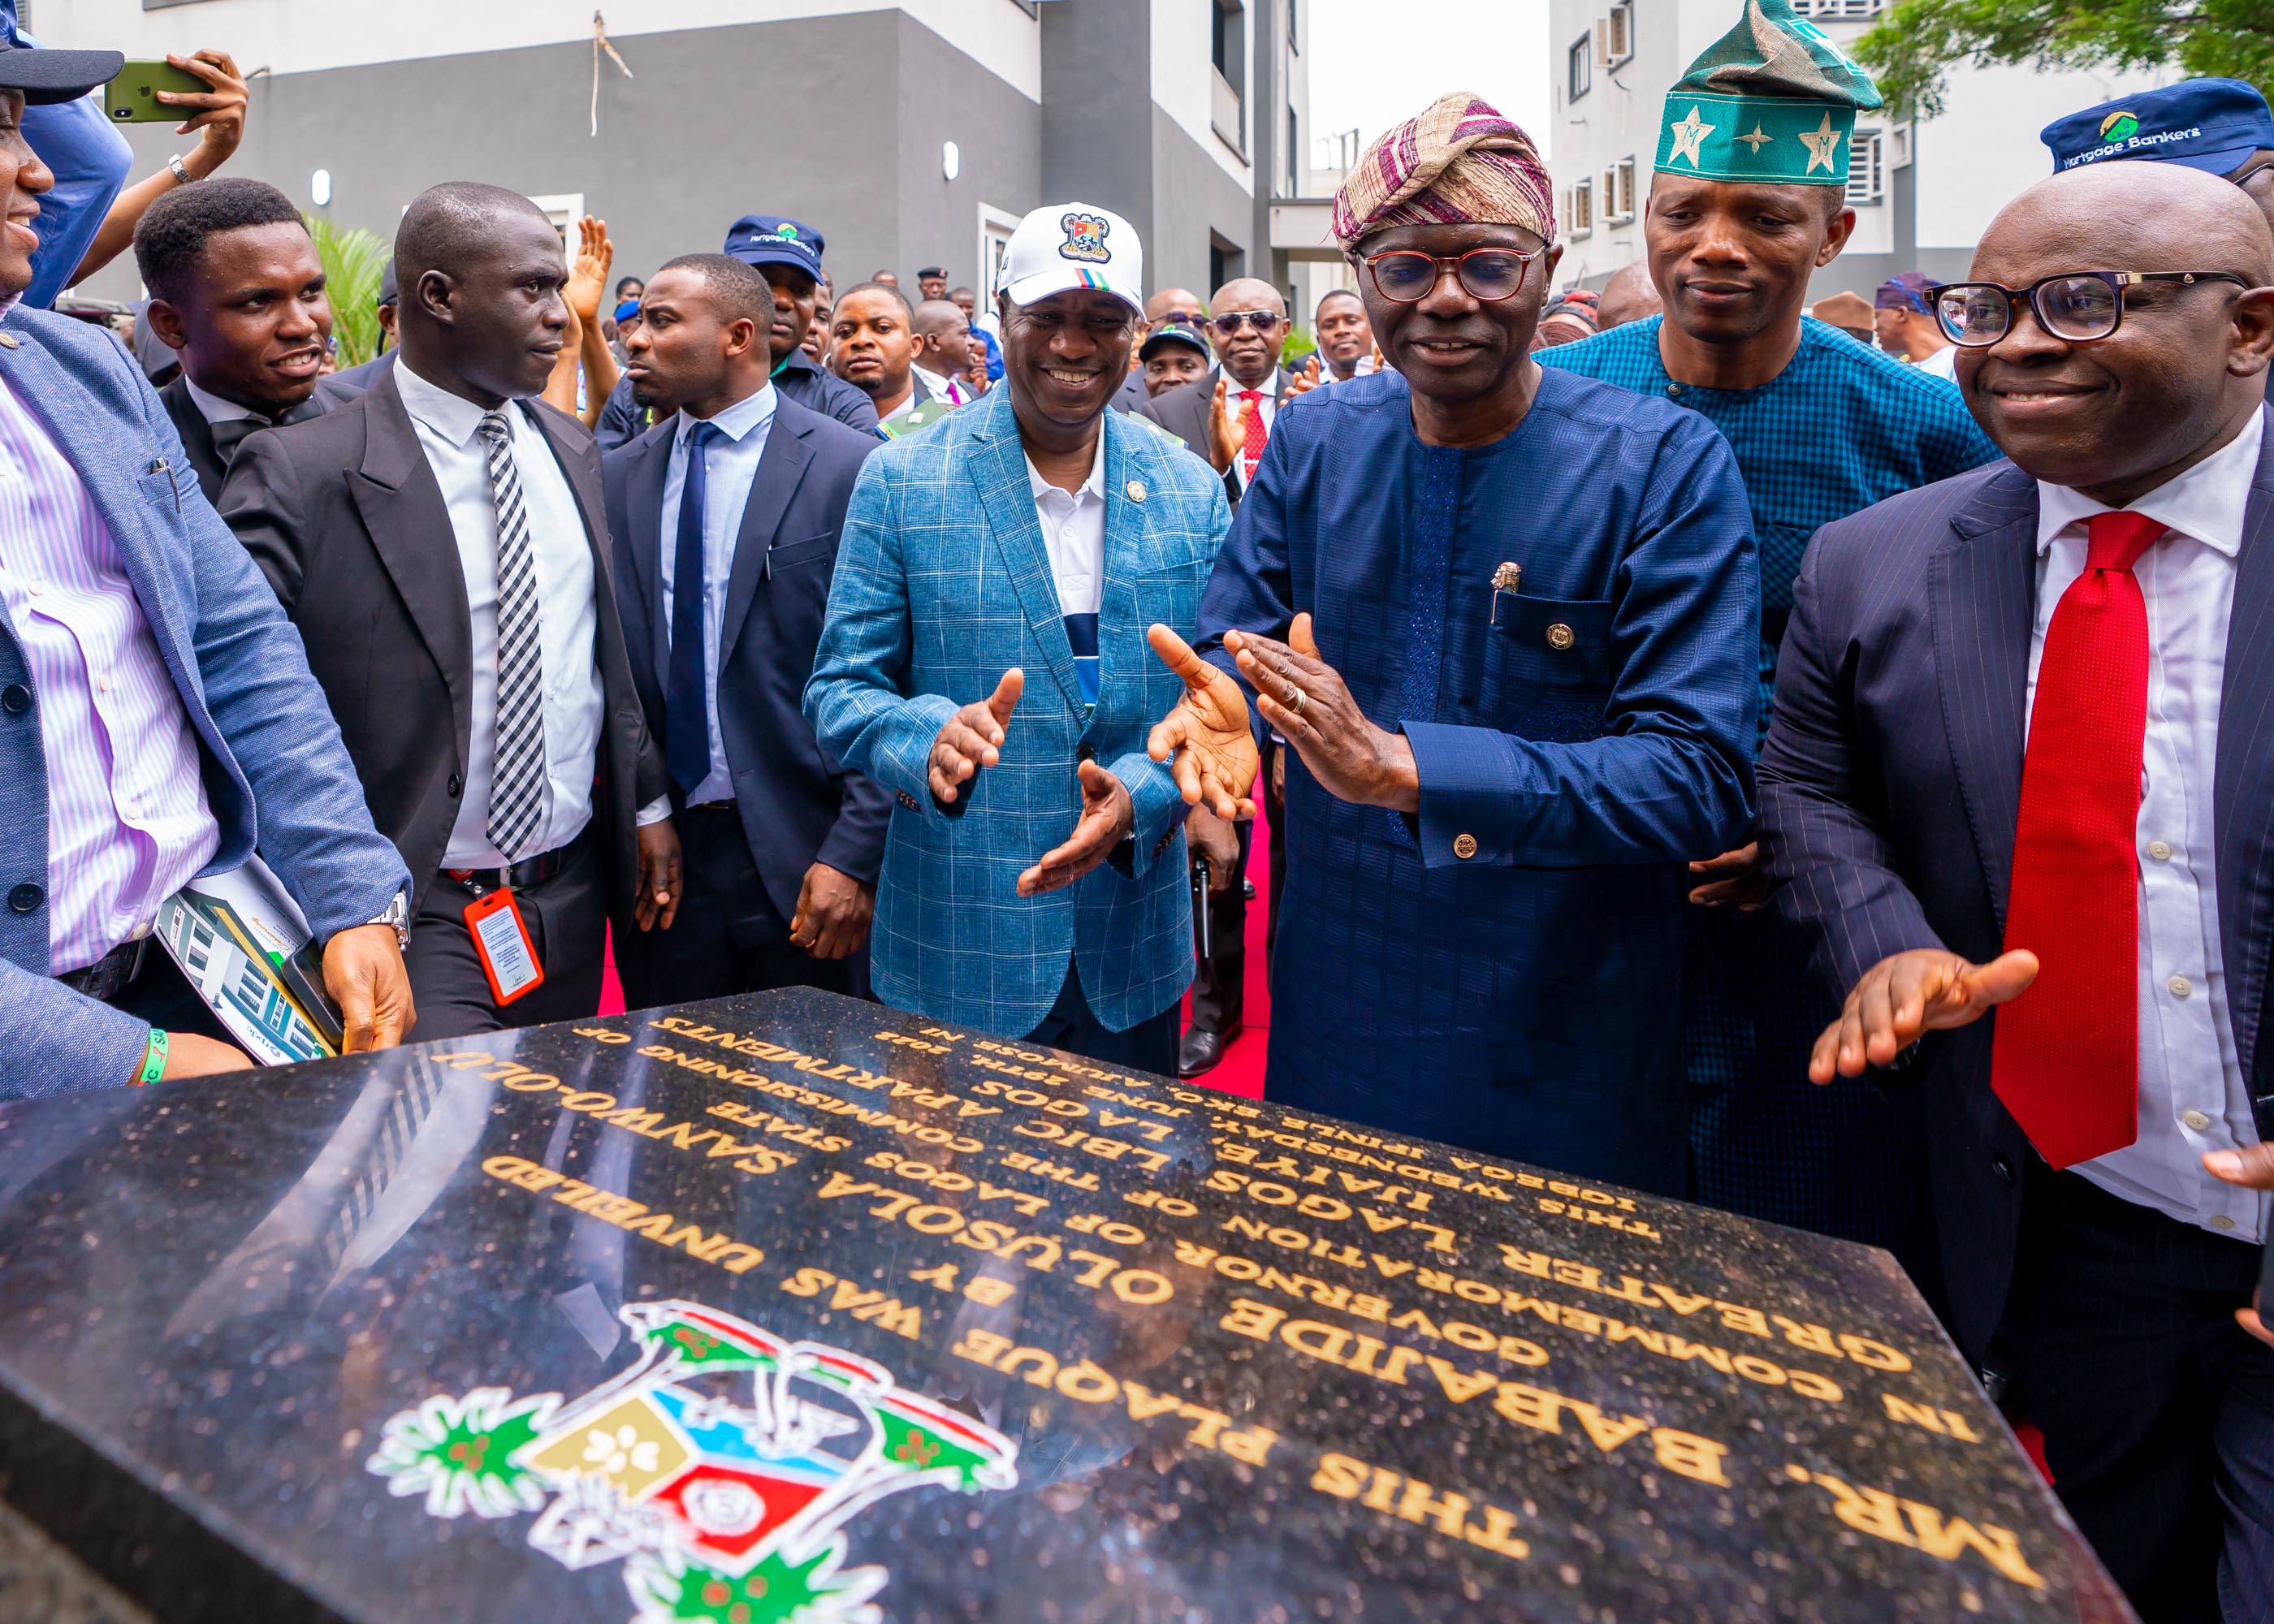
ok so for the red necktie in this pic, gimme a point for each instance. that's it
(2066, 1058)
(1252, 453)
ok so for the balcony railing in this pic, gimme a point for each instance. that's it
(1227, 113)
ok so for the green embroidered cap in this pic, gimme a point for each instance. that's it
(1773, 100)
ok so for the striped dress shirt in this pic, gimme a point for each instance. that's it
(128, 821)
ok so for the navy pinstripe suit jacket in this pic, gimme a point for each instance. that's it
(1892, 778)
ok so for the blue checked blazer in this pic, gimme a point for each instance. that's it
(943, 584)
(263, 731)
(1891, 782)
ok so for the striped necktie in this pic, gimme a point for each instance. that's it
(517, 778)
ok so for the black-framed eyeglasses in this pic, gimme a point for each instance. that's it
(1407, 276)
(1233, 321)
(2080, 306)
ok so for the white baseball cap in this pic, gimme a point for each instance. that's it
(1072, 246)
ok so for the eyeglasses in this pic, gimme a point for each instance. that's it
(2080, 306)
(1190, 318)
(1408, 276)
(1233, 321)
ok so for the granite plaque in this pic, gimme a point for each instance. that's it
(790, 1307)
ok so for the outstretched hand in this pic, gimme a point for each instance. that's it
(1903, 997)
(1206, 732)
(2252, 1168)
(973, 738)
(1227, 429)
(588, 275)
(1107, 817)
(1302, 382)
(1309, 705)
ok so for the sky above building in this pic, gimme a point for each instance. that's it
(1373, 64)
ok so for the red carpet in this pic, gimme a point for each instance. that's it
(1242, 1071)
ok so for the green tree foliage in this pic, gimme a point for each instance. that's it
(353, 262)
(1912, 45)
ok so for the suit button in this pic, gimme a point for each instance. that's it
(457, 786)
(2003, 1169)
(1465, 847)
(1085, 751)
(1559, 638)
(26, 896)
(16, 698)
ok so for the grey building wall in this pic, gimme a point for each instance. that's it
(1097, 112)
(1106, 141)
(712, 127)
(1208, 206)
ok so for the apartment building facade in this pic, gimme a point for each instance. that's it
(1923, 190)
(907, 133)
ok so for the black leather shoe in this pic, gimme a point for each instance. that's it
(1200, 1049)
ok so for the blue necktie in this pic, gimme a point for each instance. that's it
(687, 699)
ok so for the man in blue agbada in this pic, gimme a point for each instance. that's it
(1748, 199)
(1506, 621)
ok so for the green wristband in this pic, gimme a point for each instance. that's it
(154, 1059)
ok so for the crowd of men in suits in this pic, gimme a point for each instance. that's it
(1710, 755)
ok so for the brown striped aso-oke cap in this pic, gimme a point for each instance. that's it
(1458, 163)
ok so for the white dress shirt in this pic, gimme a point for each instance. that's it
(216, 410)
(943, 388)
(1074, 534)
(2192, 1094)
(1235, 399)
(448, 429)
(729, 467)
(1942, 364)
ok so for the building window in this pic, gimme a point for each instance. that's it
(1619, 192)
(1228, 92)
(1579, 210)
(1228, 41)
(1579, 72)
(1294, 7)
(1615, 37)
(1839, 11)
(1294, 176)
(1867, 171)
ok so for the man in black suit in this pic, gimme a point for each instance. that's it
(788, 253)
(1227, 415)
(2022, 756)
(237, 292)
(726, 517)
(340, 388)
(441, 544)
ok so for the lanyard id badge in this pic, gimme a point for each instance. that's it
(502, 944)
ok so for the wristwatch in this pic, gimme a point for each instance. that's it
(182, 175)
(396, 914)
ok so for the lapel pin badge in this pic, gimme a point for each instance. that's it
(7, 341)
(1135, 488)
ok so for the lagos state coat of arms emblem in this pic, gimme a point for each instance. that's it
(721, 1469)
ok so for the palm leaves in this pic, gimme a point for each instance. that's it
(353, 263)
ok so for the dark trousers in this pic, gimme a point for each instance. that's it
(567, 916)
(2157, 1410)
(728, 936)
(1148, 1046)
(162, 995)
(1219, 983)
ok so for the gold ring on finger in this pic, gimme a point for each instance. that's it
(1297, 705)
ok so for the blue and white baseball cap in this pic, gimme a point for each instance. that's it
(2206, 124)
(776, 239)
(1070, 245)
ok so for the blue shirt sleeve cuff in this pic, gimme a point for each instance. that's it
(1468, 798)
